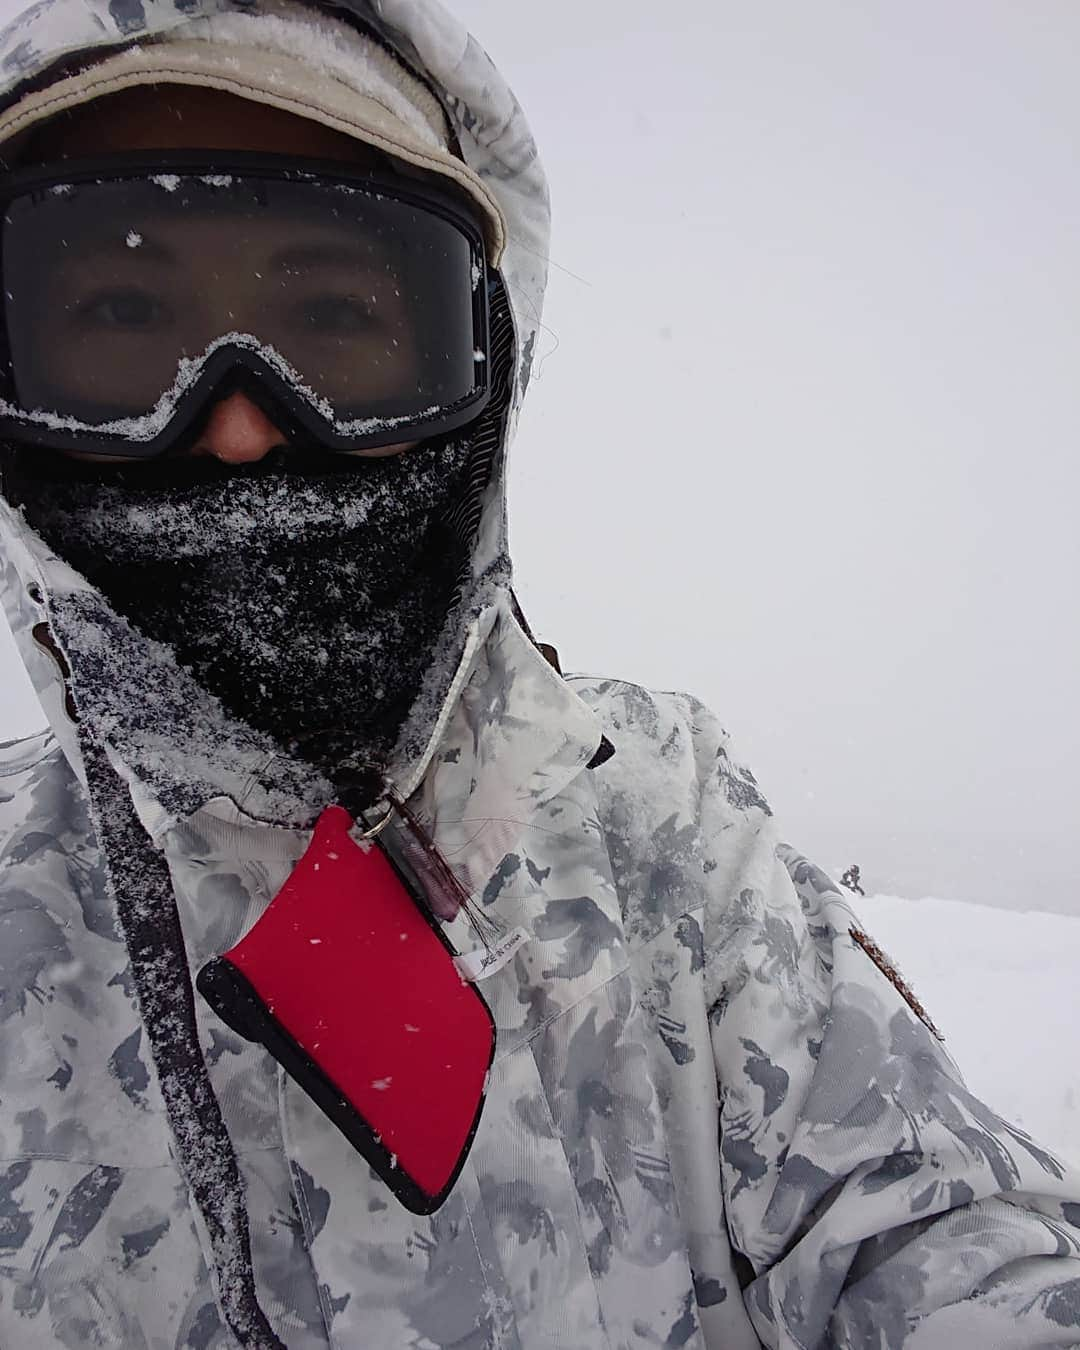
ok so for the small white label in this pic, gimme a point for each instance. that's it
(484, 961)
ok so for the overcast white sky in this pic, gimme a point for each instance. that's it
(805, 440)
(804, 437)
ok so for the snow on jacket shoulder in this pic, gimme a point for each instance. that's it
(848, 1192)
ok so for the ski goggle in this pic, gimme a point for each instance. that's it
(351, 306)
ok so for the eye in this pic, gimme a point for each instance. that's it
(339, 315)
(128, 308)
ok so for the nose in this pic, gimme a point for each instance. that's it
(237, 432)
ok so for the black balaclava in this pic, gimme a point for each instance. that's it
(307, 592)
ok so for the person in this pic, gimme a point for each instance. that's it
(273, 273)
(852, 879)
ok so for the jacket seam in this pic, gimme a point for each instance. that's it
(323, 1293)
(296, 1190)
(558, 1134)
(543, 1026)
(86, 1162)
(120, 1167)
(627, 969)
(684, 914)
(8, 770)
(479, 1255)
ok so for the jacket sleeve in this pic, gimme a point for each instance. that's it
(875, 1200)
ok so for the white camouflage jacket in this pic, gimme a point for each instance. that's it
(713, 1120)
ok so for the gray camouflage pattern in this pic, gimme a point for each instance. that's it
(848, 1181)
(712, 1121)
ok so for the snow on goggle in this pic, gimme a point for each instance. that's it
(352, 306)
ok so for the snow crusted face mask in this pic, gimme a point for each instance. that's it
(307, 592)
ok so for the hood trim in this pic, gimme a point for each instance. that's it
(265, 75)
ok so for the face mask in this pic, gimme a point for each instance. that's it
(306, 592)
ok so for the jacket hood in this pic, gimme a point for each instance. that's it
(51, 40)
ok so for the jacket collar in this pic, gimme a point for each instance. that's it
(511, 733)
(515, 735)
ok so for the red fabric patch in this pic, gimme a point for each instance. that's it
(348, 963)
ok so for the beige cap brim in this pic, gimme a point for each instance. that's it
(272, 78)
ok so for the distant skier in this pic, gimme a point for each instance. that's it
(851, 878)
(571, 1050)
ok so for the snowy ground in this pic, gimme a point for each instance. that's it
(1002, 988)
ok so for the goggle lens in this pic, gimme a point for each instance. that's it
(120, 291)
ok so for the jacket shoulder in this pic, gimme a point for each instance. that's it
(675, 808)
(670, 742)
